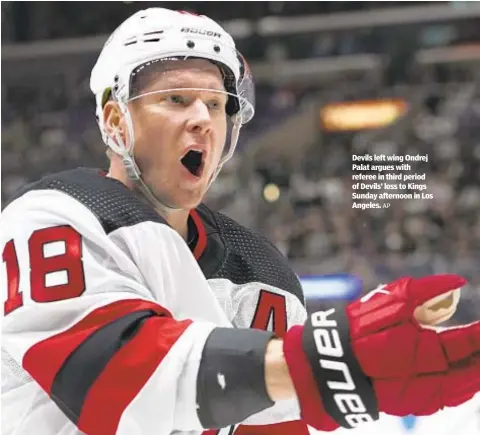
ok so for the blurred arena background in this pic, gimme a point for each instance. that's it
(415, 63)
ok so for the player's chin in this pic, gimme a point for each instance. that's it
(190, 189)
(188, 197)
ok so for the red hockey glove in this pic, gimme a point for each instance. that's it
(347, 365)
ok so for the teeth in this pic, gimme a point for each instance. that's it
(195, 150)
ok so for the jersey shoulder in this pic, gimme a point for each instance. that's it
(242, 256)
(112, 203)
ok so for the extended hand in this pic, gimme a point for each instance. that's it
(347, 365)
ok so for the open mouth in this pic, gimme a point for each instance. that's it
(193, 161)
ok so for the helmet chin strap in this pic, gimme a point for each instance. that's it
(131, 167)
(133, 173)
(233, 144)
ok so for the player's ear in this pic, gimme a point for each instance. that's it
(114, 120)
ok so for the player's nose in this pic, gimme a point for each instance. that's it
(199, 121)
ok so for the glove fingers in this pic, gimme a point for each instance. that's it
(428, 393)
(460, 342)
(416, 396)
(401, 352)
(420, 290)
(462, 381)
(408, 349)
(435, 352)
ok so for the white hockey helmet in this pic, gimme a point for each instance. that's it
(157, 34)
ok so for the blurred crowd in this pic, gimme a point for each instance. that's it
(248, 21)
(27, 21)
(48, 125)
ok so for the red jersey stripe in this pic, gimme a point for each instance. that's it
(202, 235)
(45, 358)
(127, 373)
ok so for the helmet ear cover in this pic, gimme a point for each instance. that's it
(233, 105)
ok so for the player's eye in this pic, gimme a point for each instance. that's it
(177, 99)
(216, 104)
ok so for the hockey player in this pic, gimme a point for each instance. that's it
(132, 309)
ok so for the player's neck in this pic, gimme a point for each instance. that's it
(178, 220)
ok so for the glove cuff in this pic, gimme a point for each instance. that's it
(311, 405)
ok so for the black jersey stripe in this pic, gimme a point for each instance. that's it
(81, 369)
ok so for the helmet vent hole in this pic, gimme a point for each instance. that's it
(131, 41)
(155, 32)
(190, 44)
(216, 48)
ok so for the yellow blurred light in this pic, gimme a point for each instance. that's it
(271, 192)
(362, 115)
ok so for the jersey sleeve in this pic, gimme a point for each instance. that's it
(261, 306)
(114, 354)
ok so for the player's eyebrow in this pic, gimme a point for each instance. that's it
(176, 82)
(174, 78)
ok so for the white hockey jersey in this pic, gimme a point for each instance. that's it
(106, 310)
